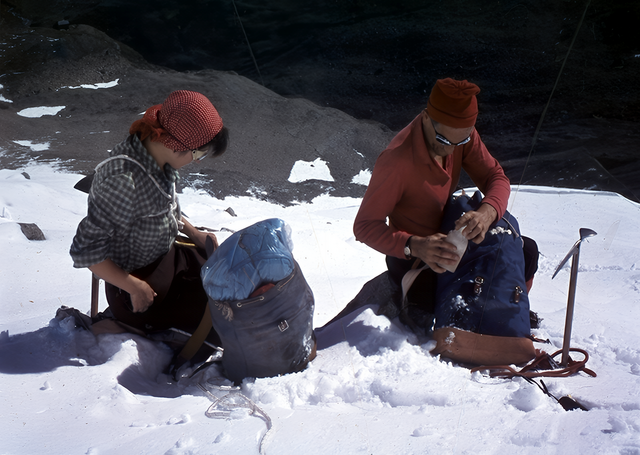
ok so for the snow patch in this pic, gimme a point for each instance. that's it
(94, 86)
(40, 111)
(499, 230)
(310, 170)
(450, 338)
(2, 98)
(34, 146)
(363, 178)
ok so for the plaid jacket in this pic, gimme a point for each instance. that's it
(133, 211)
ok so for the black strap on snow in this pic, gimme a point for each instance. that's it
(567, 402)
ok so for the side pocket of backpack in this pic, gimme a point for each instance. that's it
(474, 348)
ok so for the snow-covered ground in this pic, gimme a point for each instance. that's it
(377, 390)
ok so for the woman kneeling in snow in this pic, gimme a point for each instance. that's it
(129, 236)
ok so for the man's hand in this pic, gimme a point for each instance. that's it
(477, 222)
(434, 250)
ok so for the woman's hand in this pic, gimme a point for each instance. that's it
(199, 238)
(141, 293)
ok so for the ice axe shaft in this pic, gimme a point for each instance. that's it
(574, 253)
(95, 294)
(568, 323)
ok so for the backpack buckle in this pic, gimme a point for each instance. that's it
(284, 325)
(516, 297)
(477, 285)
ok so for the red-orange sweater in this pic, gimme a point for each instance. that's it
(411, 189)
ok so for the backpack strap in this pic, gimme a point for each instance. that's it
(193, 343)
(515, 232)
(198, 337)
(409, 278)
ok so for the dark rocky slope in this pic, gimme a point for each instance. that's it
(372, 60)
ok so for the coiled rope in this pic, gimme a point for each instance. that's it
(222, 407)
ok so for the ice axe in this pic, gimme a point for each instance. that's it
(575, 254)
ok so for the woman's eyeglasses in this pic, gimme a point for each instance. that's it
(198, 155)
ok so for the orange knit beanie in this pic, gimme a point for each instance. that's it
(453, 103)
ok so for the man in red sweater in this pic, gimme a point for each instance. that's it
(416, 174)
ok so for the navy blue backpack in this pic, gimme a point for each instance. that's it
(486, 294)
(261, 305)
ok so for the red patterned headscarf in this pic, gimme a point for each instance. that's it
(453, 103)
(185, 121)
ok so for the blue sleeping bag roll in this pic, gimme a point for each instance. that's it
(255, 256)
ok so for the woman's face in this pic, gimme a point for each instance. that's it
(164, 155)
(179, 159)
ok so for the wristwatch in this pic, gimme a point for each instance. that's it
(407, 248)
